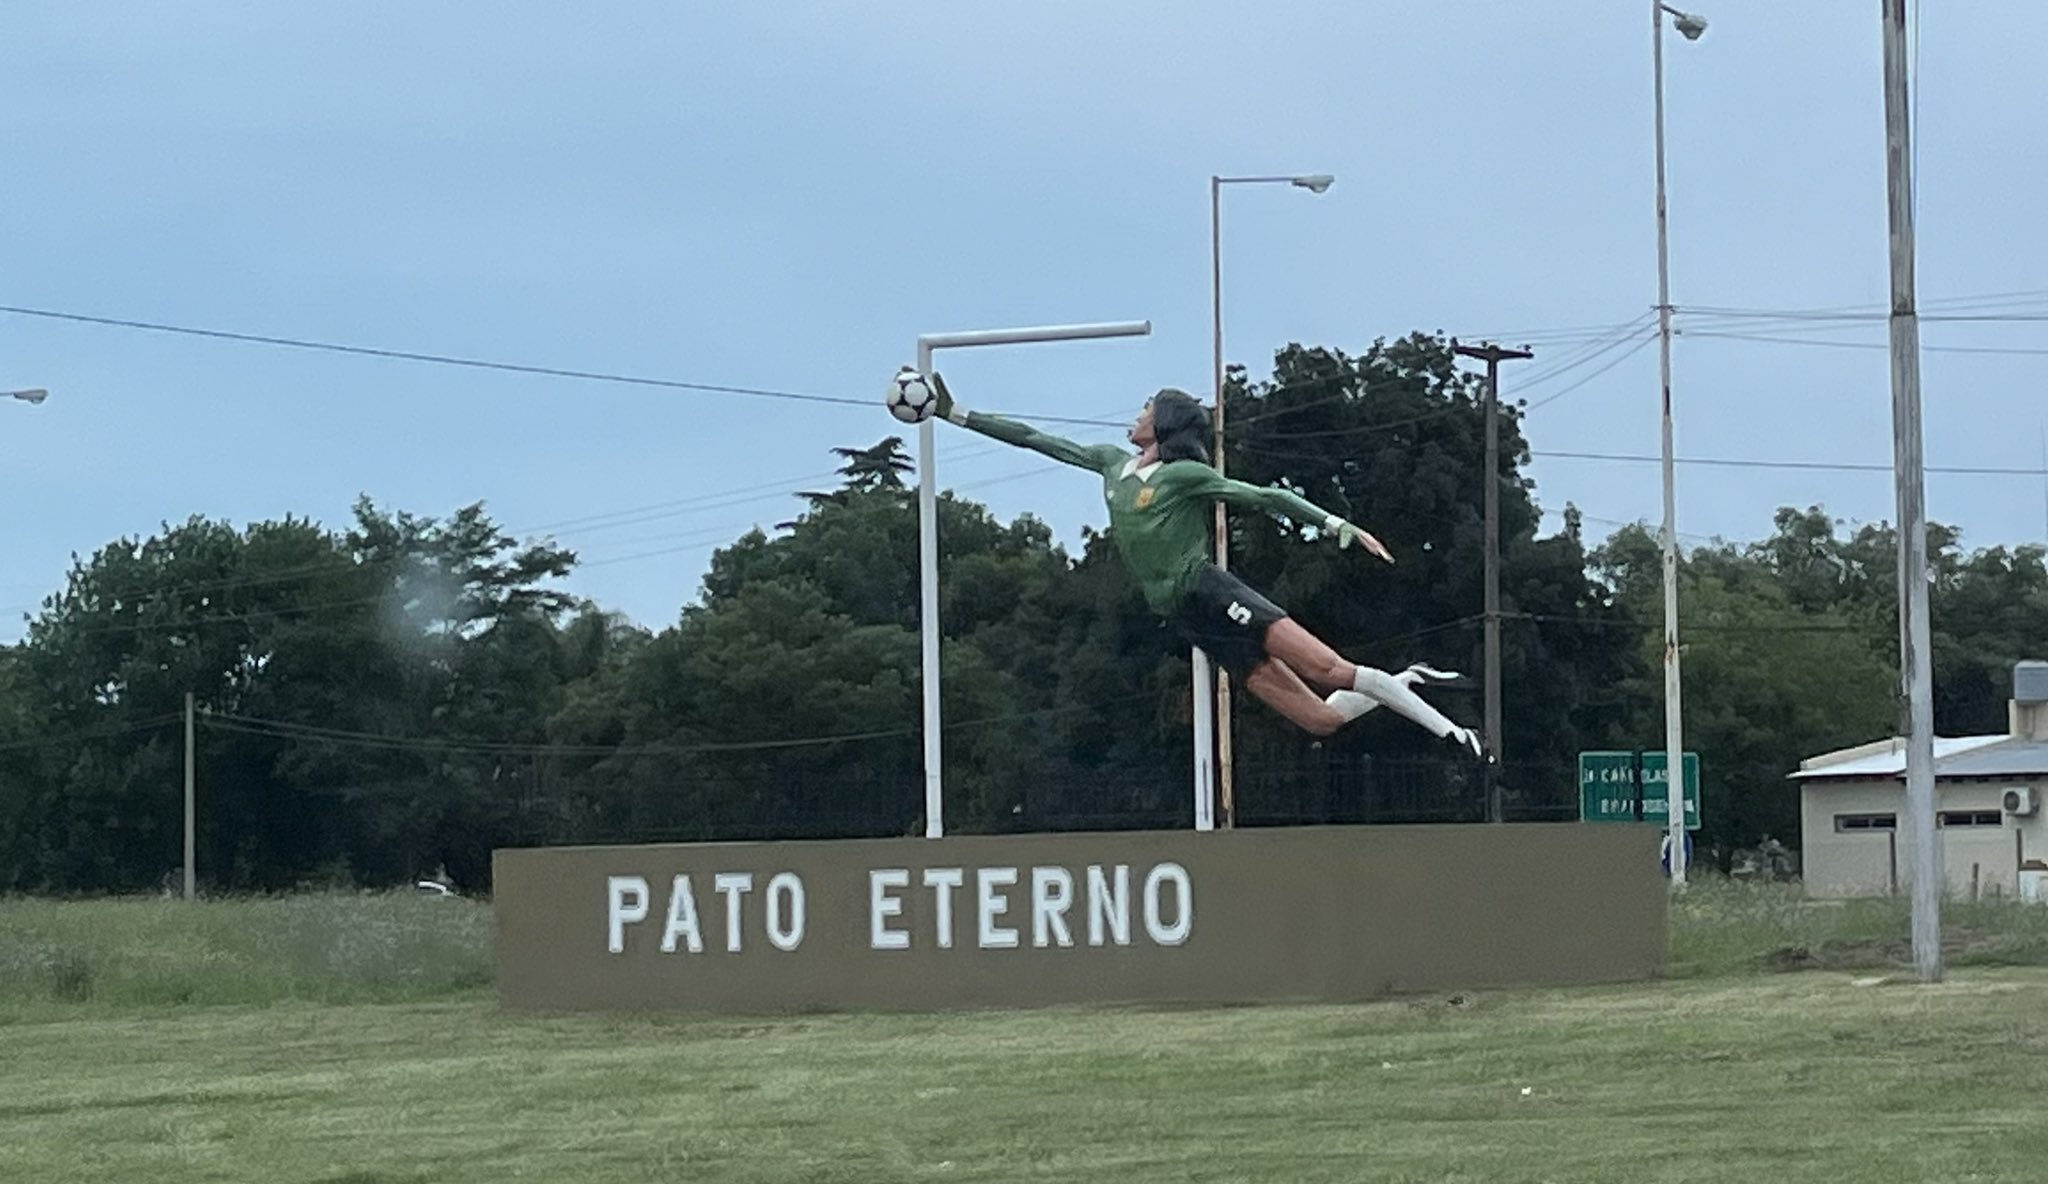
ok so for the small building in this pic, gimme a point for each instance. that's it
(1988, 796)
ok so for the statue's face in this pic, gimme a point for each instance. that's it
(1141, 431)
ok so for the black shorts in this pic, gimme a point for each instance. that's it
(1227, 620)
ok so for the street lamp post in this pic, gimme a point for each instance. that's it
(1205, 674)
(928, 530)
(1690, 27)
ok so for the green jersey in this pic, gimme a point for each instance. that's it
(1159, 512)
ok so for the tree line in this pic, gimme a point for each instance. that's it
(402, 695)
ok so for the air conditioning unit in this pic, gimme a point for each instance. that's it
(2022, 801)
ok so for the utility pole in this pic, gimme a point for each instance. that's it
(1916, 677)
(1492, 355)
(191, 815)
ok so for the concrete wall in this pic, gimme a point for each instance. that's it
(1842, 863)
(1325, 914)
(1859, 863)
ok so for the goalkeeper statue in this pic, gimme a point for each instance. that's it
(1159, 515)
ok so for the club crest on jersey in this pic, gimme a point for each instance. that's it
(1145, 497)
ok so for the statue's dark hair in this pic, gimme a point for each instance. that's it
(1181, 425)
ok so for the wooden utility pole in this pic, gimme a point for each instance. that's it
(191, 815)
(1492, 355)
(1916, 676)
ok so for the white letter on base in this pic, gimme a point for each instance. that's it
(993, 903)
(628, 906)
(682, 919)
(1184, 894)
(780, 885)
(882, 906)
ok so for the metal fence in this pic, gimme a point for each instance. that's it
(1334, 790)
(1325, 790)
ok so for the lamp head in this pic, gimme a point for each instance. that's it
(1314, 183)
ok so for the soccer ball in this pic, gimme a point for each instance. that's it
(911, 398)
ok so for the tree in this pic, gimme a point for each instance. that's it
(1989, 607)
(469, 637)
(1773, 673)
(878, 466)
(816, 633)
(1993, 612)
(298, 644)
(199, 608)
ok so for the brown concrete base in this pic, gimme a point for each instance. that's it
(1310, 914)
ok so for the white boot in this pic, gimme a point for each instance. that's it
(1397, 692)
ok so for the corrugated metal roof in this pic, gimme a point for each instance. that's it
(2013, 758)
(1954, 756)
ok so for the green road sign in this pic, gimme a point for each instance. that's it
(1607, 788)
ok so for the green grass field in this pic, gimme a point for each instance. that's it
(351, 1039)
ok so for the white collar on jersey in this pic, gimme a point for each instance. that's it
(1144, 474)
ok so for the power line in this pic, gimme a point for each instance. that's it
(454, 360)
(1554, 396)
(434, 359)
(1564, 335)
(713, 534)
(1413, 634)
(1794, 316)
(155, 721)
(1555, 368)
(1598, 334)
(699, 539)
(1822, 466)
(1699, 626)
(1944, 349)
(281, 729)
(630, 516)
(336, 564)
(717, 501)
(694, 541)
(1622, 336)
(1698, 538)
(1610, 337)
(1953, 304)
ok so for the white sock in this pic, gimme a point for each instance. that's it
(1396, 694)
(1350, 704)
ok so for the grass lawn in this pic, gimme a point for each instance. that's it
(116, 1066)
(1791, 1078)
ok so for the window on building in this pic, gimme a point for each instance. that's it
(1971, 818)
(1845, 823)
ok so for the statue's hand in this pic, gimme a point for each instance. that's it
(945, 408)
(1349, 535)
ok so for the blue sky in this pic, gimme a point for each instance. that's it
(786, 195)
